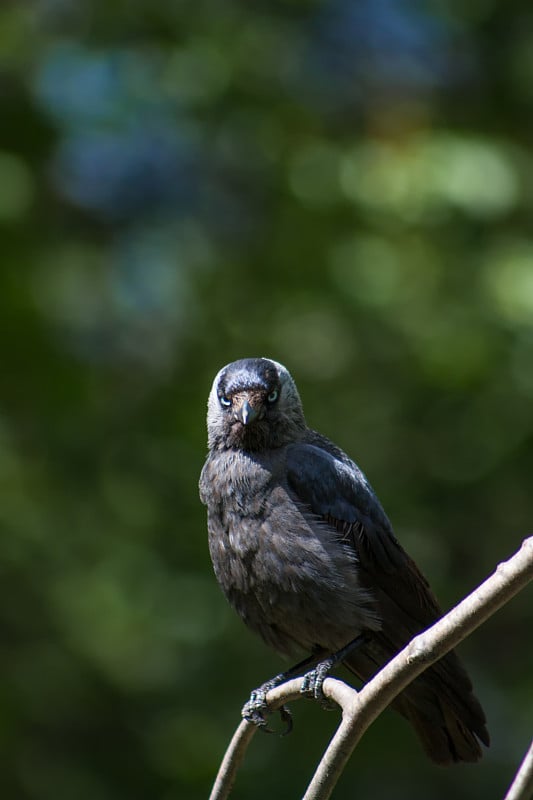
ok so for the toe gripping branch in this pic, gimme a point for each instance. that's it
(256, 711)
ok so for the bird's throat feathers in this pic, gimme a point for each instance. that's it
(257, 437)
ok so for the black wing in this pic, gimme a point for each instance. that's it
(339, 492)
(440, 703)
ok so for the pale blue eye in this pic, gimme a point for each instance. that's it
(273, 396)
(224, 401)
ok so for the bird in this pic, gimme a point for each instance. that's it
(307, 557)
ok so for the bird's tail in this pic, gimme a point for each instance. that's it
(439, 704)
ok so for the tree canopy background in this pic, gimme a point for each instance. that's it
(344, 186)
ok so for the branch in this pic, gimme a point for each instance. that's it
(360, 709)
(522, 785)
(426, 648)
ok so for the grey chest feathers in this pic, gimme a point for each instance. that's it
(279, 565)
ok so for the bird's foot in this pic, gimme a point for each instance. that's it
(256, 710)
(313, 682)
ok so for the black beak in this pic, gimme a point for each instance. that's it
(247, 413)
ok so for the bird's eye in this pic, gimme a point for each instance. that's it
(224, 401)
(273, 396)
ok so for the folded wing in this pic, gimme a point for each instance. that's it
(440, 703)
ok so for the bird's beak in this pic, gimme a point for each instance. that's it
(246, 413)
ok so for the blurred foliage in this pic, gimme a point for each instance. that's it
(346, 187)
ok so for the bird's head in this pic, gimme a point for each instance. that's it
(253, 405)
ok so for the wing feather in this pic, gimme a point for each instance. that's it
(440, 703)
(339, 492)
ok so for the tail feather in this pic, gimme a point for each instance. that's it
(439, 704)
(445, 743)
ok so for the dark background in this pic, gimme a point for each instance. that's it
(343, 186)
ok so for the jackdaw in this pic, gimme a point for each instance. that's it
(307, 557)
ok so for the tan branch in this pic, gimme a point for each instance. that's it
(522, 785)
(360, 709)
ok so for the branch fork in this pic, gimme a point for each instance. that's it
(360, 709)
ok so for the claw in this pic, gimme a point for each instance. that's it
(286, 717)
(313, 682)
(256, 711)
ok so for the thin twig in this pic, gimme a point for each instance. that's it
(522, 785)
(242, 737)
(336, 690)
(361, 709)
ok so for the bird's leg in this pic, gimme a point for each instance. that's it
(314, 679)
(256, 709)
